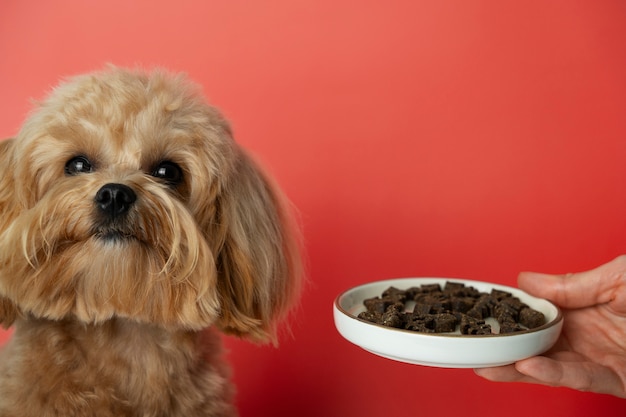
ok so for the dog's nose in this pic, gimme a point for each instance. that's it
(115, 199)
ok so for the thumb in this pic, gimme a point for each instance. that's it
(604, 284)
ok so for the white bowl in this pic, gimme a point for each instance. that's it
(447, 350)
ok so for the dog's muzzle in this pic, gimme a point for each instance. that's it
(113, 203)
(115, 200)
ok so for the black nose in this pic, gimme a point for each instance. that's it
(115, 199)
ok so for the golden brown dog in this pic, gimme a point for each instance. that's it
(132, 228)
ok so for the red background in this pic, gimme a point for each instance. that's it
(469, 139)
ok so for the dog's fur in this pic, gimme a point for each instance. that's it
(117, 314)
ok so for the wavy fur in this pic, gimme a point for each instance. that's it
(216, 250)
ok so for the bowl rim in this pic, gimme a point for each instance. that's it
(557, 319)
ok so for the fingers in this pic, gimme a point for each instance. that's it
(506, 373)
(582, 376)
(597, 286)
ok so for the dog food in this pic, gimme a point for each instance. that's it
(432, 309)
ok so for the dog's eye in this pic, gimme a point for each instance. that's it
(169, 172)
(78, 165)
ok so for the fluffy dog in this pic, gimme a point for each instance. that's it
(132, 229)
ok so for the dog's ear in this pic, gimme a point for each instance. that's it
(8, 311)
(258, 260)
(6, 181)
(7, 186)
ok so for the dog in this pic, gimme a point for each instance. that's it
(134, 231)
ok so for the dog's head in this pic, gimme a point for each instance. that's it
(125, 195)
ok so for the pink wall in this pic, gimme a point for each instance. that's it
(417, 138)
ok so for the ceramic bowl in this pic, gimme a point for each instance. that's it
(448, 350)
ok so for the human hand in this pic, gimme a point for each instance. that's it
(590, 354)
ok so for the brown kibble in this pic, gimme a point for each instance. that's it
(440, 310)
(531, 318)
